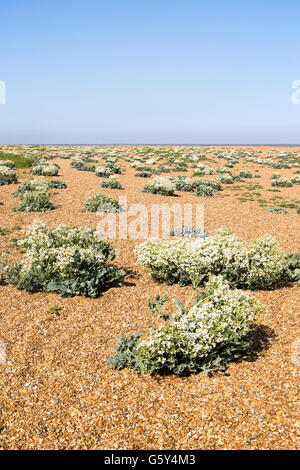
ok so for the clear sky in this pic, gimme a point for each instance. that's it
(149, 71)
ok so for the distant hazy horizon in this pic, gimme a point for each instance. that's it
(150, 72)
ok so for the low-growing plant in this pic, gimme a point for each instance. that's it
(246, 174)
(188, 232)
(281, 182)
(111, 183)
(36, 184)
(102, 203)
(278, 210)
(204, 336)
(45, 168)
(57, 184)
(182, 183)
(68, 260)
(293, 273)
(103, 171)
(35, 201)
(257, 264)
(160, 185)
(7, 175)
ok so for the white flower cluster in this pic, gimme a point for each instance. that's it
(7, 175)
(103, 171)
(256, 264)
(70, 260)
(222, 317)
(160, 185)
(45, 168)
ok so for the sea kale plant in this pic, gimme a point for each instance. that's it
(68, 260)
(215, 329)
(102, 203)
(160, 185)
(255, 264)
(45, 168)
(111, 183)
(293, 273)
(7, 175)
(35, 201)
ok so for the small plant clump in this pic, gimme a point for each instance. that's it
(257, 264)
(35, 201)
(246, 174)
(293, 267)
(45, 168)
(111, 183)
(7, 175)
(188, 232)
(278, 210)
(281, 182)
(160, 185)
(57, 184)
(98, 201)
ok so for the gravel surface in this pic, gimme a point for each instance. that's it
(57, 391)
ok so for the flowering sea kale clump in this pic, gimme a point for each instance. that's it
(45, 168)
(257, 264)
(160, 185)
(69, 260)
(101, 203)
(278, 181)
(8, 163)
(215, 329)
(7, 175)
(202, 169)
(36, 184)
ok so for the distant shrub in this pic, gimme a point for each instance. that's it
(57, 184)
(257, 264)
(225, 178)
(160, 185)
(278, 210)
(45, 168)
(203, 169)
(206, 335)
(68, 260)
(101, 202)
(9, 163)
(103, 171)
(111, 183)
(81, 164)
(296, 179)
(188, 232)
(293, 273)
(35, 184)
(35, 201)
(246, 174)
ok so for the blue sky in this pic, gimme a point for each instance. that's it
(168, 71)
